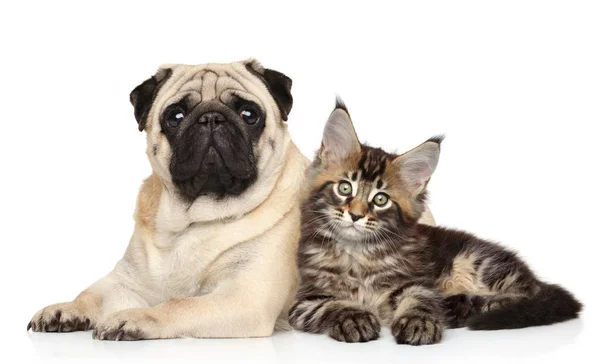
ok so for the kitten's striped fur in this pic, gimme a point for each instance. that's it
(363, 266)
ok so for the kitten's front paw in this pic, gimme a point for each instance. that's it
(60, 317)
(127, 325)
(417, 330)
(355, 326)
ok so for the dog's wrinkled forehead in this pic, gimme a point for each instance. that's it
(210, 82)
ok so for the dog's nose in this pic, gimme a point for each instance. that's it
(355, 217)
(211, 117)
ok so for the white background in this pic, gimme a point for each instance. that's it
(515, 86)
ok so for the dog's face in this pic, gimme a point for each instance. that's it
(214, 130)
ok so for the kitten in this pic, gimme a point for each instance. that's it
(365, 261)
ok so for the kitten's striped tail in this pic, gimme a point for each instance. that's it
(552, 304)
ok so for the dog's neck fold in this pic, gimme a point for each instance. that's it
(262, 206)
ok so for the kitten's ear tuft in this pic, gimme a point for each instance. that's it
(417, 165)
(437, 139)
(339, 136)
(339, 104)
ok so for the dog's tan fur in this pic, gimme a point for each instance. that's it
(212, 268)
(148, 202)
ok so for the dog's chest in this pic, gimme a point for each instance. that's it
(184, 262)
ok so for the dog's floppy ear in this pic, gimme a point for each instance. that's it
(143, 96)
(278, 84)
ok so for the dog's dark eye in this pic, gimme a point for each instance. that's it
(175, 117)
(250, 115)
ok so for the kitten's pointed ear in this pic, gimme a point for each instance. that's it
(339, 136)
(416, 166)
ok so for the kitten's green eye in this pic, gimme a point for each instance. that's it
(345, 188)
(380, 199)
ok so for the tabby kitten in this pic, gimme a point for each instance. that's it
(365, 261)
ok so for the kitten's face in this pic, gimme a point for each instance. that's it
(361, 198)
(364, 195)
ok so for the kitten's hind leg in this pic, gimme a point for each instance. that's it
(549, 305)
(460, 307)
(512, 295)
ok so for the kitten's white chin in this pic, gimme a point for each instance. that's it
(350, 232)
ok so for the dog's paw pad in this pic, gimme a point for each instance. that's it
(61, 317)
(118, 334)
(127, 325)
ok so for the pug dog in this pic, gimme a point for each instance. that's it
(216, 224)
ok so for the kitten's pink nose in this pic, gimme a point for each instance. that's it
(355, 217)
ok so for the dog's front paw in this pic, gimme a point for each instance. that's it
(131, 324)
(355, 326)
(417, 330)
(60, 317)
